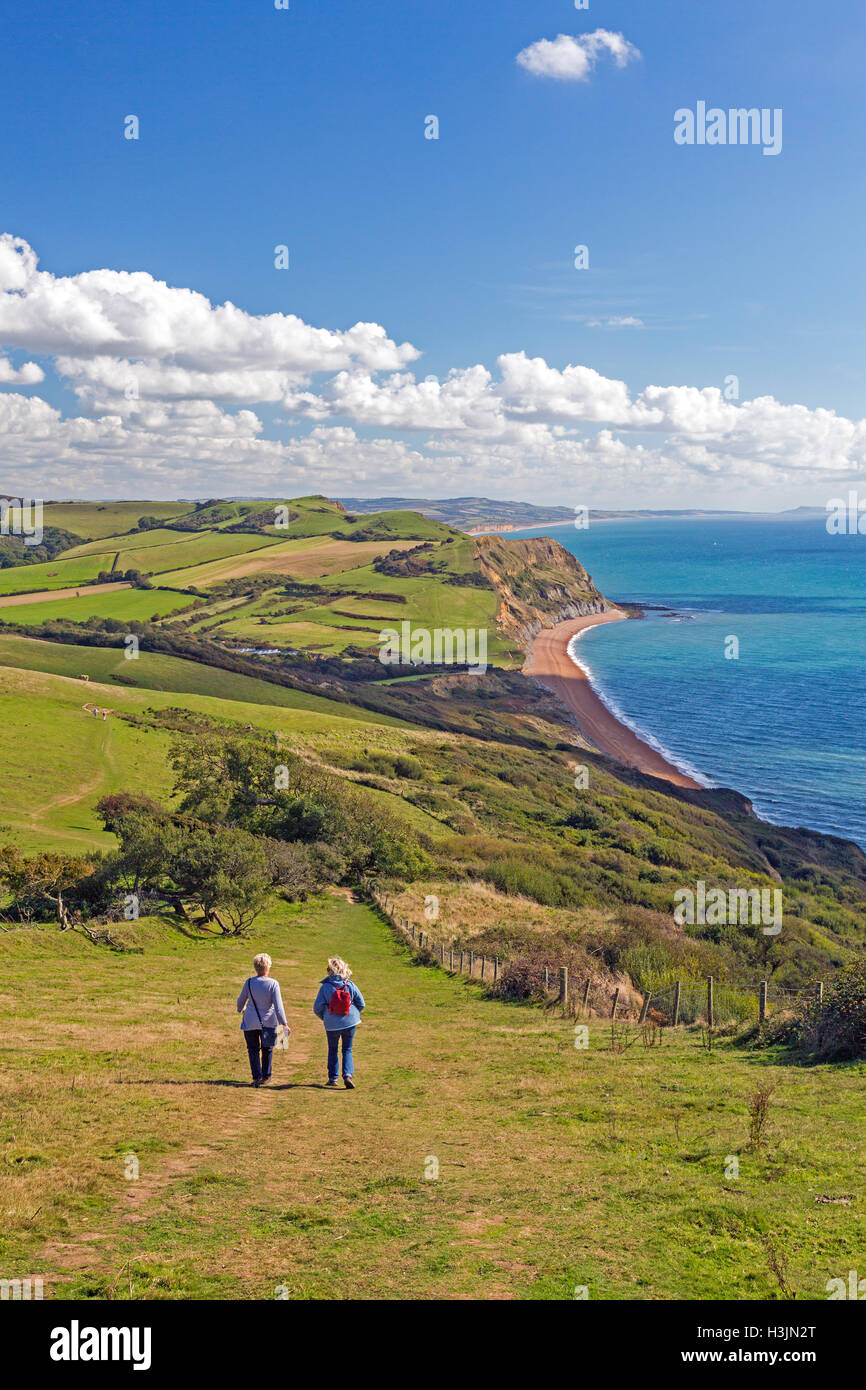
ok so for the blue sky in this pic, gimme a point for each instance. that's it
(306, 128)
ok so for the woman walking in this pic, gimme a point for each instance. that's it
(261, 1004)
(339, 1004)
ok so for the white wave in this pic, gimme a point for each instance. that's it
(673, 758)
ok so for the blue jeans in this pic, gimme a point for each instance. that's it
(261, 1069)
(347, 1034)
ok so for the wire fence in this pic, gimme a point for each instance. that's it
(708, 1002)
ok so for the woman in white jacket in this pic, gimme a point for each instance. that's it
(261, 1004)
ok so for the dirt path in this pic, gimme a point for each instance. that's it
(553, 668)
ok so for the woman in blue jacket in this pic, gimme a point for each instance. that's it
(339, 1004)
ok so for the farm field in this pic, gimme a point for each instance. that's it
(558, 1168)
(154, 551)
(304, 558)
(62, 573)
(123, 603)
(95, 520)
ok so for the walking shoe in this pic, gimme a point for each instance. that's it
(332, 1083)
(348, 1083)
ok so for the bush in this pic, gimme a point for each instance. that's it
(834, 1030)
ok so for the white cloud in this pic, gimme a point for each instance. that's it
(166, 384)
(102, 321)
(572, 58)
(617, 321)
(28, 374)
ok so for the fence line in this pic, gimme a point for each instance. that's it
(707, 1001)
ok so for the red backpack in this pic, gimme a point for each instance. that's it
(340, 1001)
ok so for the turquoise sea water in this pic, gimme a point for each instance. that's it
(785, 723)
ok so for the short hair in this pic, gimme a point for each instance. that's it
(337, 966)
(262, 963)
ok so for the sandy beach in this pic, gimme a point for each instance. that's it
(551, 665)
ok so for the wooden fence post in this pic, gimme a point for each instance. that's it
(413, 931)
(546, 980)
(586, 990)
(461, 962)
(451, 957)
(495, 969)
(709, 1001)
(762, 1002)
(676, 1017)
(563, 984)
(471, 963)
(483, 963)
(819, 992)
(615, 1002)
(644, 1008)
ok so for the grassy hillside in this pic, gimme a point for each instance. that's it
(558, 1168)
(95, 520)
(63, 573)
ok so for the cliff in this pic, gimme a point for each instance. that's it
(539, 584)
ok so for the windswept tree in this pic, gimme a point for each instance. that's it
(41, 883)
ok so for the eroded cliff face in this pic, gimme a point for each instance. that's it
(539, 584)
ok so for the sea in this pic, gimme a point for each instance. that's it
(750, 671)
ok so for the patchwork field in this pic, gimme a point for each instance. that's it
(180, 550)
(305, 559)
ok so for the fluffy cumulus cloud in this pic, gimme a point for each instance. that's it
(169, 387)
(573, 58)
(28, 374)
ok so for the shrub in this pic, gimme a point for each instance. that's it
(834, 1030)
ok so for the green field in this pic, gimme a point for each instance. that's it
(94, 520)
(558, 1168)
(55, 574)
(122, 604)
(67, 759)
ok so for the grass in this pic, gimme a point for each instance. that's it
(155, 671)
(54, 574)
(154, 552)
(557, 1167)
(123, 604)
(95, 520)
(62, 759)
(304, 559)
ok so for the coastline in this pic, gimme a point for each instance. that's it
(551, 665)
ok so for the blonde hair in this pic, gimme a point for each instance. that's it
(262, 963)
(336, 966)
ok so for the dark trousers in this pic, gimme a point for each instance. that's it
(347, 1034)
(260, 1066)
